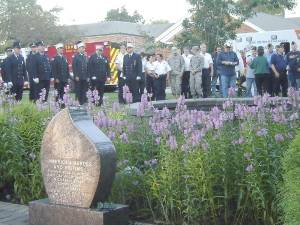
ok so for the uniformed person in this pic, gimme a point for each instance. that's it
(185, 85)
(121, 77)
(44, 71)
(60, 71)
(79, 66)
(132, 70)
(177, 64)
(99, 71)
(32, 70)
(4, 75)
(16, 72)
(196, 66)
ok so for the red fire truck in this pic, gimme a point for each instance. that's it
(111, 52)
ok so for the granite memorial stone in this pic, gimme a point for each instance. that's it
(78, 166)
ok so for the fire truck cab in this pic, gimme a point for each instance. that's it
(90, 48)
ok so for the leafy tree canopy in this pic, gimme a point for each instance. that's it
(122, 14)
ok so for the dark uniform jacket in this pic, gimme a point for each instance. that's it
(44, 68)
(132, 66)
(79, 66)
(98, 66)
(32, 66)
(4, 70)
(16, 70)
(60, 68)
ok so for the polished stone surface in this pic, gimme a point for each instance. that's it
(78, 160)
(204, 104)
(43, 213)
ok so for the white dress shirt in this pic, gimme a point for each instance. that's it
(119, 59)
(162, 68)
(207, 60)
(187, 61)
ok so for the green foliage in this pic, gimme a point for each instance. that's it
(26, 21)
(291, 187)
(234, 177)
(216, 21)
(121, 14)
(21, 134)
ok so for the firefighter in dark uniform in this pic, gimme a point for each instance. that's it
(7, 83)
(44, 70)
(79, 67)
(32, 70)
(60, 71)
(99, 71)
(132, 70)
(16, 72)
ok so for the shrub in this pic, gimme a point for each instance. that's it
(22, 129)
(195, 167)
(291, 186)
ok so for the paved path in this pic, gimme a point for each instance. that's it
(11, 214)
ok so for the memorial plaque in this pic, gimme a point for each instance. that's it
(78, 160)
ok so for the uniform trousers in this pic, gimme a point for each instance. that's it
(60, 88)
(121, 83)
(196, 84)
(185, 85)
(206, 83)
(43, 84)
(175, 82)
(33, 91)
(150, 86)
(133, 86)
(17, 90)
(99, 86)
(160, 84)
(142, 84)
(81, 88)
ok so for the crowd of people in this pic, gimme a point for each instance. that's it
(194, 74)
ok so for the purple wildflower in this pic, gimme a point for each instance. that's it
(112, 135)
(124, 137)
(250, 168)
(157, 141)
(172, 142)
(262, 132)
(248, 155)
(279, 138)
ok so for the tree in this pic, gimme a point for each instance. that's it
(26, 21)
(216, 21)
(121, 14)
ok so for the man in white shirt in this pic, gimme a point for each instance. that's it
(207, 71)
(162, 70)
(121, 78)
(185, 85)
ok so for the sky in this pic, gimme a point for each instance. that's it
(91, 11)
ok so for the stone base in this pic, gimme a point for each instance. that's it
(41, 212)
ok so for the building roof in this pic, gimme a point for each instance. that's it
(269, 22)
(120, 27)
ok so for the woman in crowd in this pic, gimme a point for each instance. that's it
(250, 77)
(260, 66)
(150, 74)
(162, 70)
